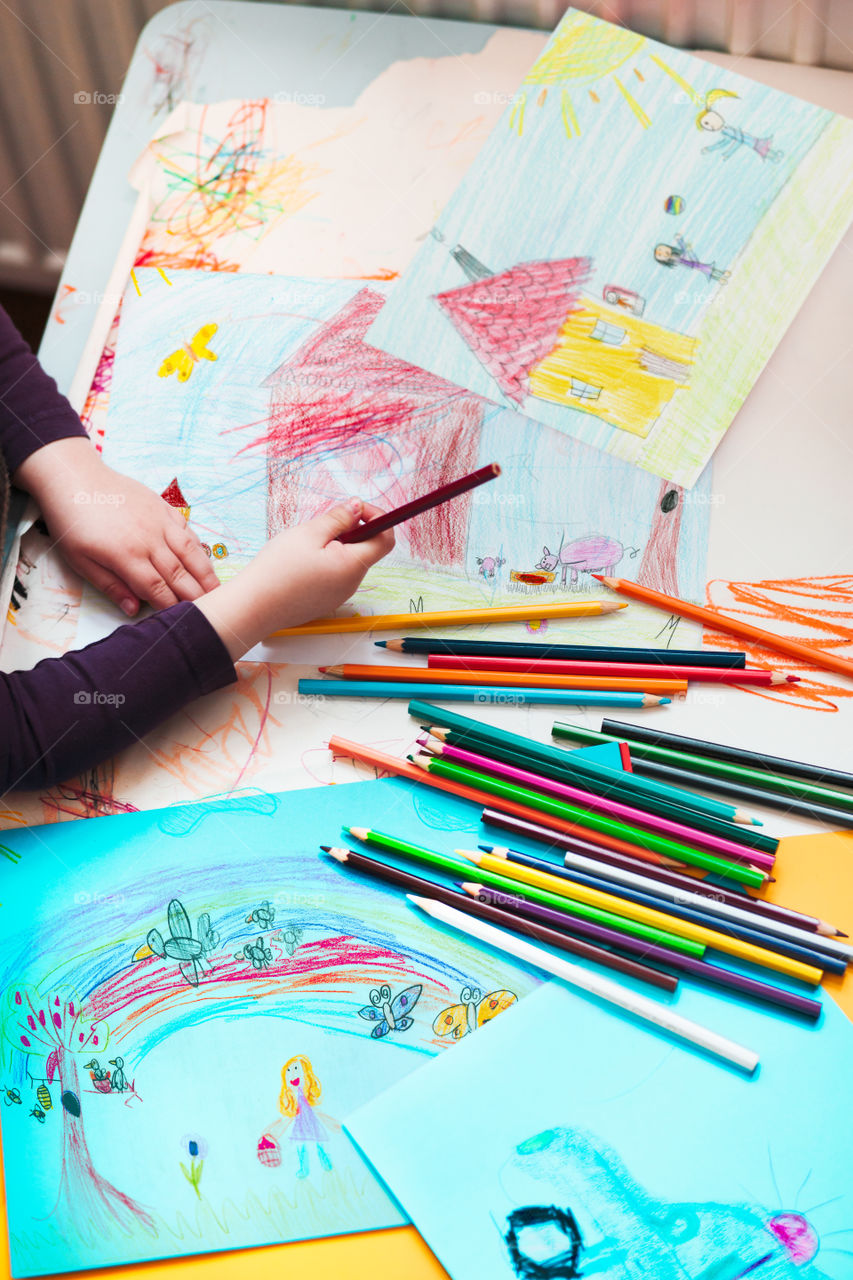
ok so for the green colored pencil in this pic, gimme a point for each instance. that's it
(446, 861)
(747, 836)
(570, 907)
(428, 714)
(591, 820)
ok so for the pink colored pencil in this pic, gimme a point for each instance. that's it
(634, 670)
(602, 804)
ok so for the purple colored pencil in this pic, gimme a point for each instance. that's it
(614, 808)
(699, 969)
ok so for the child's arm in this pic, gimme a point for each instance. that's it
(114, 531)
(69, 714)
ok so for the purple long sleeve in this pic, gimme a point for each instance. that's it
(33, 411)
(70, 713)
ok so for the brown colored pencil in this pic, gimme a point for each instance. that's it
(507, 920)
(443, 493)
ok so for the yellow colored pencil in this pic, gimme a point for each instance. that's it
(450, 618)
(762, 956)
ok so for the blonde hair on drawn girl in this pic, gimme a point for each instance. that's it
(287, 1103)
(712, 96)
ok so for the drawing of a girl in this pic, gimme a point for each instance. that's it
(297, 1102)
(682, 254)
(732, 137)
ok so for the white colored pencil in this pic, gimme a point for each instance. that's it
(725, 910)
(583, 980)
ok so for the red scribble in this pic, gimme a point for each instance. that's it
(814, 611)
(512, 320)
(174, 61)
(346, 417)
(659, 566)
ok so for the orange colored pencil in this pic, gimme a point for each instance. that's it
(384, 763)
(734, 626)
(438, 675)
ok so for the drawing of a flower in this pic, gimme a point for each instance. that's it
(196, 1148)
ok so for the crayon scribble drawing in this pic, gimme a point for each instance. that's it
(628, 247)
(285, 409)
(183, 1025)
(594, 1148)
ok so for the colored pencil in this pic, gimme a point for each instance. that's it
(761, 779)
(576, 863)
(715, 938)
(624, 812)
(595, 984)
(736, 832)
(742, 755)
(812, 951)
(717, 621)
(381, 761)
(487, 911)
(455, 865)
(648, 765)
(637, 671)
(701, 970)
(427, 675)
(479, 693)
(429, 715)
(584, 652)
(587, 819)
(450, 618)
(417, 506)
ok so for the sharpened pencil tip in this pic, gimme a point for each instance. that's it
(327, 848)
(358, 833)
(340, 855)
(381, 644)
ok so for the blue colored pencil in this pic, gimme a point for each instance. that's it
(478, 693)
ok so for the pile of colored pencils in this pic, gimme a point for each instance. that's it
(509, 672)
(820, 792)
(617, 880)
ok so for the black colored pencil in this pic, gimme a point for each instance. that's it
(589, 652)
(734, 755)
(507, 920)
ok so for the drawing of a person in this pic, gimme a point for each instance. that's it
(300, 1117)
(682, 254)
(731, 136)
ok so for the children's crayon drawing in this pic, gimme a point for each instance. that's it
(284, 409)
(628, 247)
(192, 1008)
(595, 1148)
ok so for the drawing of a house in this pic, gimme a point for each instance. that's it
(537, 334)
(346, 418)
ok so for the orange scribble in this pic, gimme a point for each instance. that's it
(813, 611)
(67, 290)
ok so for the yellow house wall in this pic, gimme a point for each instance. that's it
(631, 397)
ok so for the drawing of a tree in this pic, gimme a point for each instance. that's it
(59, 1028)
(659, 566)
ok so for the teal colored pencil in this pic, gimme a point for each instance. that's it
(478, 693)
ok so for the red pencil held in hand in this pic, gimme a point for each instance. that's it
(414, 508)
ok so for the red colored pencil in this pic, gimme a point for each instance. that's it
(634, 670)
(414, 508)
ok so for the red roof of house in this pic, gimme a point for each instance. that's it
(172, 494)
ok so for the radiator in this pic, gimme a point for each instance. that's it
(63, 61)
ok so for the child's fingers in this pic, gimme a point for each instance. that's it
(337, 519)
(174, 581)
(188, 549)
(373, 549)
(113, 587)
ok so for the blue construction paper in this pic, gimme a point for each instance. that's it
(591, 1148)
(184, 1079)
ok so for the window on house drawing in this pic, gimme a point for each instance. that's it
(584, 390)
(609, 333)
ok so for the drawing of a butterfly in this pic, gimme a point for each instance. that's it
(473, 1012)
(392, 1015)
(184, 360)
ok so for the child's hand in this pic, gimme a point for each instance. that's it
(119, 535)
(301, 574)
